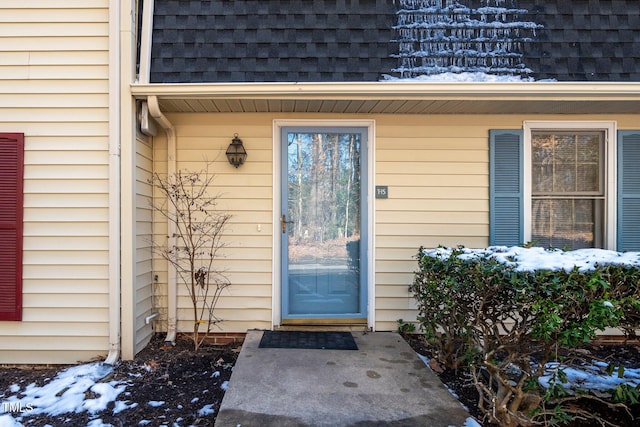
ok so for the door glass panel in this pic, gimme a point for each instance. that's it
(322, 223)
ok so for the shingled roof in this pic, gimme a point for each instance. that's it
(585, 40)
(262, 41)
(207, 41)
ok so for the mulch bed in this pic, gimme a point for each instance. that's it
(460, 382)
(187, 380)
(174, 374)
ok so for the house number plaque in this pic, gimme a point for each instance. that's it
(382, 192)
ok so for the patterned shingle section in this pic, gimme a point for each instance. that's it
(585, 40)
(266, 41)
(440, 36)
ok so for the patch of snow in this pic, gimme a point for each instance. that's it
(155, 403)
(424, 359)
(144, 423)
(66, 392)
(107, 393)
(98, 423)
(216, 374)
(471, 422)
(122, 406)
(14, 388)
(461, 77)
(7, 420)
(195, 399)
(534, 258)
(225, 385)
(591, 377)
(206, 410)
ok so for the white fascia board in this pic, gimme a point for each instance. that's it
(396, 90)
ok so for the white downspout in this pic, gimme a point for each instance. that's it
(114, 183)
(172, 291)
(146, 37)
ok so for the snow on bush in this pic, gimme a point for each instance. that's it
(534, 258)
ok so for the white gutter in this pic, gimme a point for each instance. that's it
(409, 90)
(172, 291)
(114, 184)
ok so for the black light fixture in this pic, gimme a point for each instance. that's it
(236, 152)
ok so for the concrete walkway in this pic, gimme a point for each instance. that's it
(383, 383)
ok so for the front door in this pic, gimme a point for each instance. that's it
(323, 223)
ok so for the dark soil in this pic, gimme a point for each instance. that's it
(160, 372)
(186, 379)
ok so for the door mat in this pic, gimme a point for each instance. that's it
(308, 340)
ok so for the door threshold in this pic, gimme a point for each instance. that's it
(341, 324)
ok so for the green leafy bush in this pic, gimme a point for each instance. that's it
(506, 325)
(405, 328)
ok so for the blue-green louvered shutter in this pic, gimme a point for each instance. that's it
(628, 233)
(506, 203)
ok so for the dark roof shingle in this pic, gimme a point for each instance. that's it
(196, 41)
(261, 41)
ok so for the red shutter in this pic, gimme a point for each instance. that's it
(11, 167)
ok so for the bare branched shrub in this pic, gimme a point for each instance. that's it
(195, 246)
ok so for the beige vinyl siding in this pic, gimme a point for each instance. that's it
(245, 193)
(436, 168)
(143, 299)
(53, 88)
(437, 172)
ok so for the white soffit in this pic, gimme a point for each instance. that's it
(397, 98)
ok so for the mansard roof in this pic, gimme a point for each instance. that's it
(213, 41)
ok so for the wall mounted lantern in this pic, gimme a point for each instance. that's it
(236, 152)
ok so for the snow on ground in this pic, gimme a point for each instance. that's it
(471, 422)
(592, 377)
(67, 393)
(531, 259)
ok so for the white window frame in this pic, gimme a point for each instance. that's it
(609, 128)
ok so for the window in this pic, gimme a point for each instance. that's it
(567, 189)
(11, 161)
(565, 185)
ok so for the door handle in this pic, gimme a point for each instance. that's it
(284, 223)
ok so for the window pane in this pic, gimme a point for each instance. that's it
(542, 182)
(588, 178)
(567, 162)
(589, 162)
(542, 162)
(568, 223)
